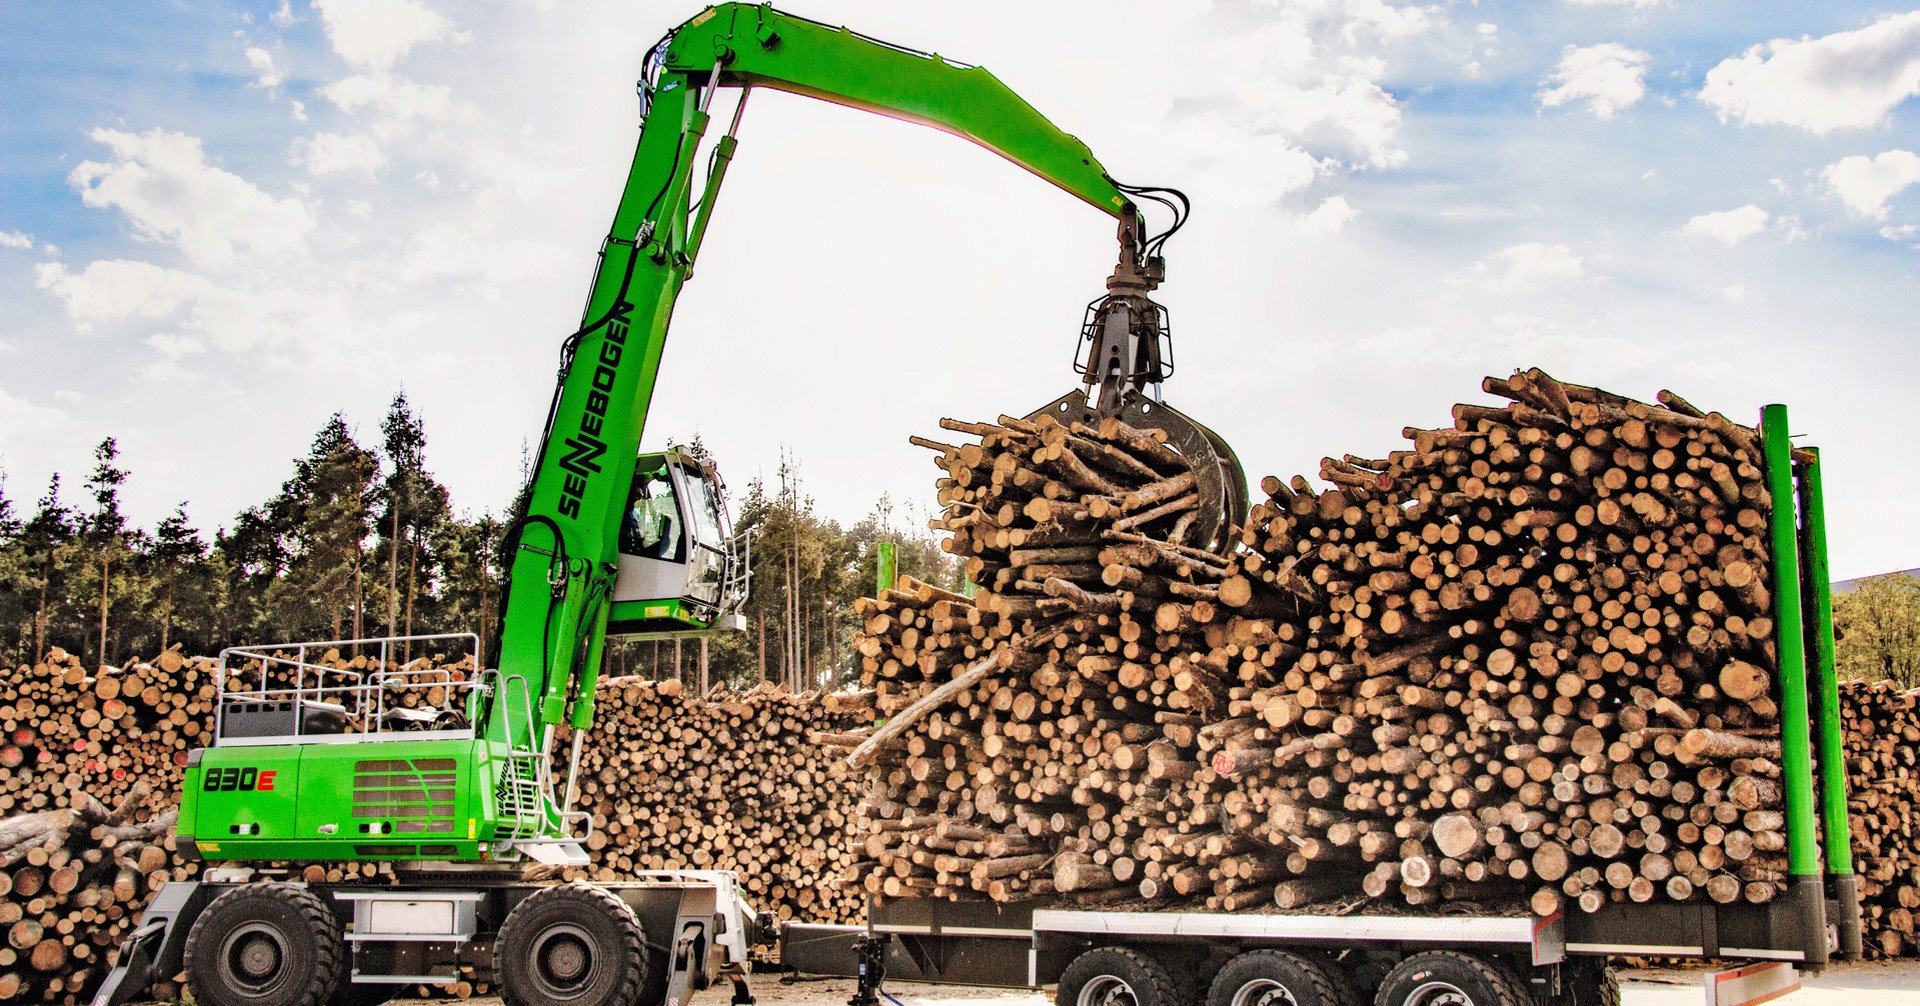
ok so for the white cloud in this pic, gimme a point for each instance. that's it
(1735, 293)
(1732, 226)
(1635, 4)
(1847, 80)
(15, 239)
(1900, 233)
(112, 289)
(1608, 77)
(69, 396)
(284, 16)
(395, 99)
(174, 346)
(299, 111)
(1331, 215)
(264, 72)
(27, 421)
(241, 318)
(1246, 168)
(1525, 264)
(1866, 183)
(442, 251)
(161, 180)
(375, 34)
(328, 153)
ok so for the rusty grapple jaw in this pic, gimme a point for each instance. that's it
(1125, 353)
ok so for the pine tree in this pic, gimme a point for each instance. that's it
(415, 505)
(323, 520)
(48, 552)
(177, 564)
(107, 542)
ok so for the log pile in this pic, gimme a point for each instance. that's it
(73, 879)
(67, 729)
(1526, 660)
(1531, 656)
(1039, 734)
(1882, 740)
(733, 781)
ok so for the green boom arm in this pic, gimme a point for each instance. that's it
(563, 555)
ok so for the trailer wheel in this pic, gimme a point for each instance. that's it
(265, 945)
(571, 945)
(1273, 978)
(1449, 978)
(1118, 976)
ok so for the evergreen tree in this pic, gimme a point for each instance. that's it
(323, 520)
(13, 567)
(414, 507)
(48, 553)
(178, 565)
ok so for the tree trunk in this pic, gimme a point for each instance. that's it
(393, 570)
(358, 596)
(106, 568)
(413, 587)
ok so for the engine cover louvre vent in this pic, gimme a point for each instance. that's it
(417, 796)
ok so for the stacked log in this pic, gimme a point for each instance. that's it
(1037, 733)
(1532, 655)
(73, 879)
(1527, 660)
(64, 729)
(1882, 741)
(733, 781)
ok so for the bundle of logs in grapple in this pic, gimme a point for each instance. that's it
(726, 782)
(1528, 659)
(1882, 738)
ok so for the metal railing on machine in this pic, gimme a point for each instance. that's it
(281, 693)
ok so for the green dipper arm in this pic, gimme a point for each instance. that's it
(563, 554)
(762, 47)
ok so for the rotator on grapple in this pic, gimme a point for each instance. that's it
(1127, 351)
(307, 762)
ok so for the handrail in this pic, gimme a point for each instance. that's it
(360, 695)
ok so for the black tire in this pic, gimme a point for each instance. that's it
(265, 945)
(1273, 978)
(1349, 985)
(571, 945)
(1119, 976)
(1588, 981)
(1449, 978)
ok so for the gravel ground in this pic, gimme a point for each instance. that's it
(1870, 983)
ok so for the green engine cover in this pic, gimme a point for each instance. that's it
(389, 800)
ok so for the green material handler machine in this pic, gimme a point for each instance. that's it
(467, 796)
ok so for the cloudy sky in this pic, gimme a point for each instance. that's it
(220, 222)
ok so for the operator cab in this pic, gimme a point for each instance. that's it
(680, 570)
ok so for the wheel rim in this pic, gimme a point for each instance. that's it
(1106, 990)
(1439, 994)
(564, 963)
(254, 957)
(1264, 992)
